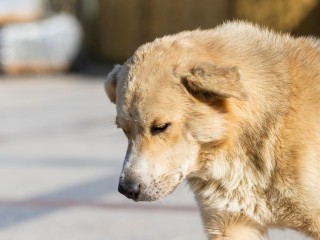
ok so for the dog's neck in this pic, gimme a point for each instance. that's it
(234, 171)
(229, 181)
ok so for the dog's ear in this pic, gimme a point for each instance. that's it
(110, 84)
(207, 81)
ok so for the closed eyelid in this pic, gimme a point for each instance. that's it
(160, 128)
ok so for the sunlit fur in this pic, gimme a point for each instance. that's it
(244, 108)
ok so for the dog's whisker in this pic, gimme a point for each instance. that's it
(170, 171)
(165, 177)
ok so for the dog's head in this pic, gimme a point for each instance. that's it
(169, 106)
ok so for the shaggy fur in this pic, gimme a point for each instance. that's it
(236, 112)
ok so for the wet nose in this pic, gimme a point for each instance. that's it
(130, 189)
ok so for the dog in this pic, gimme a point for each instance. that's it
(234, 111)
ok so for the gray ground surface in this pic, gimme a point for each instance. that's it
(60, 157)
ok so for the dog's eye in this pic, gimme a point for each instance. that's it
(156, 129)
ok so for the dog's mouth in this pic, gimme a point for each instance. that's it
(155, 190)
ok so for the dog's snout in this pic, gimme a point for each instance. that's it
(130, 189)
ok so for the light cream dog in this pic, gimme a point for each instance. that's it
(236, 112)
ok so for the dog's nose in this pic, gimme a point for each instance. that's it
(130, 189)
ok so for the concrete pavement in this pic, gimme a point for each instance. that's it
(60, 156)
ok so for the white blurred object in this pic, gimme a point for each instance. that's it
(49, 45)
(12, 11)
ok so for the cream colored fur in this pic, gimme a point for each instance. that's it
(242, 106)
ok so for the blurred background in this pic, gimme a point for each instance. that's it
(60, 153)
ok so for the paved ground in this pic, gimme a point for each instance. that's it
(60, 157)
